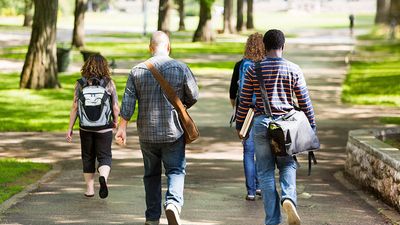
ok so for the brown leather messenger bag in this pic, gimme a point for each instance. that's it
(187, 123)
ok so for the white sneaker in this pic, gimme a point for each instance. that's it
(291, 212)
(172, 213)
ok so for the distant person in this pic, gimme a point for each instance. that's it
(281, 77)
(351, 24)
(160, 133)
(96, 105)
(254, 52)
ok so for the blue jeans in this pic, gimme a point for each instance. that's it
(249, 164)
(266, 173)
(172, 155)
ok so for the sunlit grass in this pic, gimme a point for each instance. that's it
(374, 77)
(390, 120)
(139, 50)
(373, 83)
(290, 21)
(15, 175)
(179, 50)
(39, 110)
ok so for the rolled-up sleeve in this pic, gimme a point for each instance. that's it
(191, 90)
(129, 98)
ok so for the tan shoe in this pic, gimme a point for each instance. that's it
(291, 212)
(172, 213)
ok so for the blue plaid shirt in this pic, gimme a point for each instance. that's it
(158, 121)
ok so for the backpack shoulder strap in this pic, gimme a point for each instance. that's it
(82, 81)
(104, 82)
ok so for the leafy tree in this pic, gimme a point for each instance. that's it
(250, 23)
(204, 30)
(40, 67)
(228, 6)
(181, 11)
(387, 12)
(394, 11)
(17, 7)
(382, 11)
(239, 16)
(164, 15)
(79, 31)
(28, 14)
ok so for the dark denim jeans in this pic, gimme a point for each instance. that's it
(266, 173)
(172, 156)
(249, 164)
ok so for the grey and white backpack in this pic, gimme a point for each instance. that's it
(94, 104)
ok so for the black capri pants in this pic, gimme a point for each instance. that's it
(95, 145)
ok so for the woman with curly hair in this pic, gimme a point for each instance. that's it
(254, 52)
(96, 105)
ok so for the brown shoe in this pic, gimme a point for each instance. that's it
(291, 212)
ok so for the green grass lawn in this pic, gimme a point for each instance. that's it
(39, 110)
(374, 75)
(48, 109)
(137, 50)
(373, 83)
(16, 175)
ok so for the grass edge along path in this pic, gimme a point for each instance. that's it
(16, 174)
(374, 74)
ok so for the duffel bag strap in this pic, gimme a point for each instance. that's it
(264, 96)
(311, 157)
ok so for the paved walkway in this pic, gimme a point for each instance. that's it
(214, 193)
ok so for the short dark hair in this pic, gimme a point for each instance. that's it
(274, 39)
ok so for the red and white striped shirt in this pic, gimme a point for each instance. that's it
(281, 78)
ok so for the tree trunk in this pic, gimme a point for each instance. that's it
(181, 10)
(228, 5)
(28, 15)
(164, 15)
(395, 11)
(204, 30)
(40, 67)
(382, 11)
(250, 23)
(239, 16)
(78, 35)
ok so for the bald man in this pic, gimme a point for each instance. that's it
(160, 133)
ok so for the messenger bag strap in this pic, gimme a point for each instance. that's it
(264, 96)
(166, 87)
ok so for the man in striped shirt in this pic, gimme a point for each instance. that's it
(281, 78)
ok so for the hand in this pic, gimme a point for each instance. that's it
(233, 103)
(239, 135)
(120, 137)
(69, 135)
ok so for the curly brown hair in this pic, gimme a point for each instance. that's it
(254, 49)
(96, 66)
